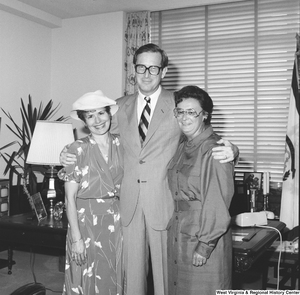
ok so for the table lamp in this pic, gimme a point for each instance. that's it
(48, 140)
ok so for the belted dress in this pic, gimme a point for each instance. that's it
(202, 189)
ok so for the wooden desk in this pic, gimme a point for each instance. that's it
(23, 230)
(246, 253)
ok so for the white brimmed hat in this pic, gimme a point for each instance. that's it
(92, 101)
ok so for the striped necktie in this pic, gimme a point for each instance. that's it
(145, 120)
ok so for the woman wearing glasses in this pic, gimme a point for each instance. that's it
(199, 238)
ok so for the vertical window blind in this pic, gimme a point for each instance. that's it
(242, 54)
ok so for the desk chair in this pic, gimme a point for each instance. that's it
(289, 265)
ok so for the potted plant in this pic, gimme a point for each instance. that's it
(16, 161)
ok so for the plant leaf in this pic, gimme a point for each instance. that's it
(9, 161)
(24, 132)
(23, 111)
(46, 114)
(19, 131)
(8, 145)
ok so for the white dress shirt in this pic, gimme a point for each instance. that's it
(142, 102)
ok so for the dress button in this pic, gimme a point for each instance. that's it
(175, 261)
(176, 193)
(138, 181)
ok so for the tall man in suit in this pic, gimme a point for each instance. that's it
(146, 201)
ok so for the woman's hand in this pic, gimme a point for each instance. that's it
(225, 153)
(66, 158)
(79, 252)
(198, 260)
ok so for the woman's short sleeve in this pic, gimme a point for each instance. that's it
(73, 172)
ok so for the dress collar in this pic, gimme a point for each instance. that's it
(198, 140)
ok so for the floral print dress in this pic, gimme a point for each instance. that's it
(98, 217)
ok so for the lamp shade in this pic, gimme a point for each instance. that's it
(48, 140)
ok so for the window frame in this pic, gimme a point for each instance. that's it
(242, 54)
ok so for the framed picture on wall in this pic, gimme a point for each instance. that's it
(253, 180)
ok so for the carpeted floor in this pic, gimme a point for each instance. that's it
(47, 273)
(45, 268)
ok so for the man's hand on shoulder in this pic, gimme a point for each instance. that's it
(226, 152)
(66, 158)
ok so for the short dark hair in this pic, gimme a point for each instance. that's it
(150, 47)
(81, 113)
(199, 94)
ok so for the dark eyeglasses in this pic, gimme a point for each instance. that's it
(153, 70)
(191, 113)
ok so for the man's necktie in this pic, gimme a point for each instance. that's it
(145, 120)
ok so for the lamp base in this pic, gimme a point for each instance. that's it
(51, 208)
(51, 192)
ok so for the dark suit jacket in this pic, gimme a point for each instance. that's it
(145, 168)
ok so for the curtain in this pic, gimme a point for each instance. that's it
(290, 187)
(137, 33)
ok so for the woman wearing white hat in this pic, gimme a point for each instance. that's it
(93, 254)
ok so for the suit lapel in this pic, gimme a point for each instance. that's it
(132, 132)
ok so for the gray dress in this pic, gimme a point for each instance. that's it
(202, 189)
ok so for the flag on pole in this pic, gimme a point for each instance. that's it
(289, 213)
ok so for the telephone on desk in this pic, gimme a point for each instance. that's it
(253, 218)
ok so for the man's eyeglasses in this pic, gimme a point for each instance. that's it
(191, 113)
(153, 70)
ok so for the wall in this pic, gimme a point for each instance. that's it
(61, 64)
(25, 67)
(87, 55)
